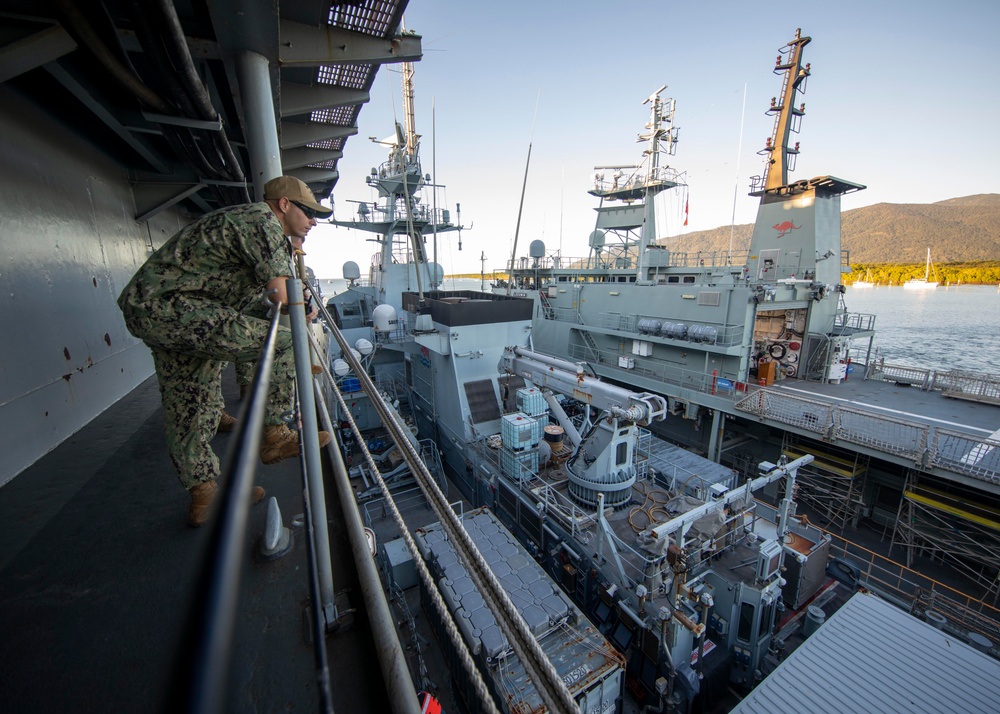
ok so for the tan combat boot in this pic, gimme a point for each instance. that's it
(202, 497)
(280, 442)
(227, 422)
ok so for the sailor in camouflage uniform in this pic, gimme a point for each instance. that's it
(192, 303)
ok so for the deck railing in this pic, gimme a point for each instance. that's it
(951, 383)
(593, 268)
(917, 593)
(925, 445)
(203, 658)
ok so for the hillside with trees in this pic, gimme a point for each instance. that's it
(959, 230)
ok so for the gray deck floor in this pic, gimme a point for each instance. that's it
(905, 402)
(97, 563)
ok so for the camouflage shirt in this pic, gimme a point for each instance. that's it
(225, 257)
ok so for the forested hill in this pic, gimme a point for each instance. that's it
(957, 230)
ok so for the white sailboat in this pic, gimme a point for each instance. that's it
(924, 283)
(866, 283)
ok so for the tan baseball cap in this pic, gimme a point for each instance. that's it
(294, 190)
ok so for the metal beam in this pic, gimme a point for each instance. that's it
(260, 125)
(295, 135)
(310, 46)
(205, 125)
(34, 51)
(151, 199)
(99, 110)
(302, 98)
(297, 158)
(311, 176)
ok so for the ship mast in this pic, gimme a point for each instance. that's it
(410, 124)
(399, 216)
(660, 129)
(638, 188)
(410, 159)
(780, 157)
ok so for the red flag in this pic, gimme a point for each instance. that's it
(686, 201)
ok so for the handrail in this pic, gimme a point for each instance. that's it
(399, 683)
(309, 443)
(908, 586)
(928, 446)
(202, 664)
(392, 659)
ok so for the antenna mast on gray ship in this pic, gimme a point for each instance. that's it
(795, 256)
(639, 189)
(399, 211)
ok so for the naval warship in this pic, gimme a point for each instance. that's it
(626, 417)
(512, 526)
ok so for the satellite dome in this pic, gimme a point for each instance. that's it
(351, 270)
(536, 249)
(384, 316)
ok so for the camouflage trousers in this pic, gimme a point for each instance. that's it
(244, 373)
(190, 348)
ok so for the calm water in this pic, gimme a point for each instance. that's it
(331, 286)
(956, 327)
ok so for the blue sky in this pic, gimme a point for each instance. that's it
(904, 98)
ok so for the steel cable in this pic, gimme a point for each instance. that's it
(461, 648)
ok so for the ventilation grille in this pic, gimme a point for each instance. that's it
(372, 18)
(482, 400)
(352, 76)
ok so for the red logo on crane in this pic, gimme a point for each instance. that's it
(784, 228)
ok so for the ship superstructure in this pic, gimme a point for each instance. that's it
(707, 329)
(546, 400)
(687, 319)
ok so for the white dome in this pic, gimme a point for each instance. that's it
(384, 317)
(351, 271)
(340, 367)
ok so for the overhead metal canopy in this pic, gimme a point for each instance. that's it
(156, 84)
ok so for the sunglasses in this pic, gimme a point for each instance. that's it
(310, 213)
